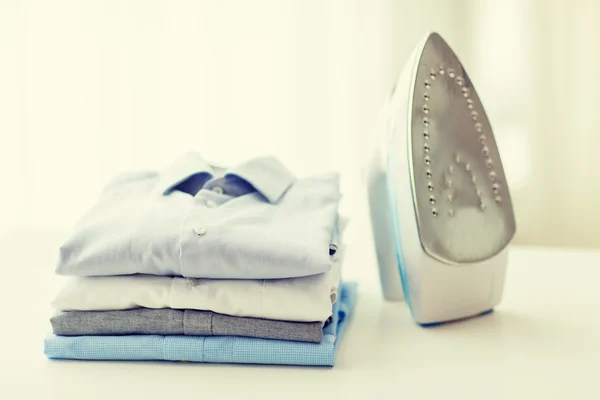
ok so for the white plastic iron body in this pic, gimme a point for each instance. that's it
(440, 207)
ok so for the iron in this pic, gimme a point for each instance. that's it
(440, 207)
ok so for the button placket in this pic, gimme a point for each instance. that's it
(201, 225)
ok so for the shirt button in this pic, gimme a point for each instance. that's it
(217, 189)
(190, 281)
(210, 203)
(200, 230)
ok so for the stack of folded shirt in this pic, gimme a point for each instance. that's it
(198, 263)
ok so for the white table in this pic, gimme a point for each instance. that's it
(543, 341)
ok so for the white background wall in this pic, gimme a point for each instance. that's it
(88, 89)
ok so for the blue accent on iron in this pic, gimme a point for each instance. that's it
(434, 324)
(396, 221)
(491, 310)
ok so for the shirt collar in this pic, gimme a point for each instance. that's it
(266, 174)
(190, 164)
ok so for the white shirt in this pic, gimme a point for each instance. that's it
(254, 221)
(294, 299)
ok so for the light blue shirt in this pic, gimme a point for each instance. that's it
(254, 221)
(210, 349)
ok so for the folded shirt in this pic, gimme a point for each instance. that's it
(306, 299)
(210, 349)
(180, 322)
(254, 221)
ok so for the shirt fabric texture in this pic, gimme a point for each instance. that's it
(210, 349)
(145, 321)
(253, 221)
(305, 299)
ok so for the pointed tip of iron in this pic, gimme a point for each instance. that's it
(433, 34)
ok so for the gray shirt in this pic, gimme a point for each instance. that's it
(167, 321)
(254, 221)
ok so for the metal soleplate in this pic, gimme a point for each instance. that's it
(463, 206)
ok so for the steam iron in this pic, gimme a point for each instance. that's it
(440, 207)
